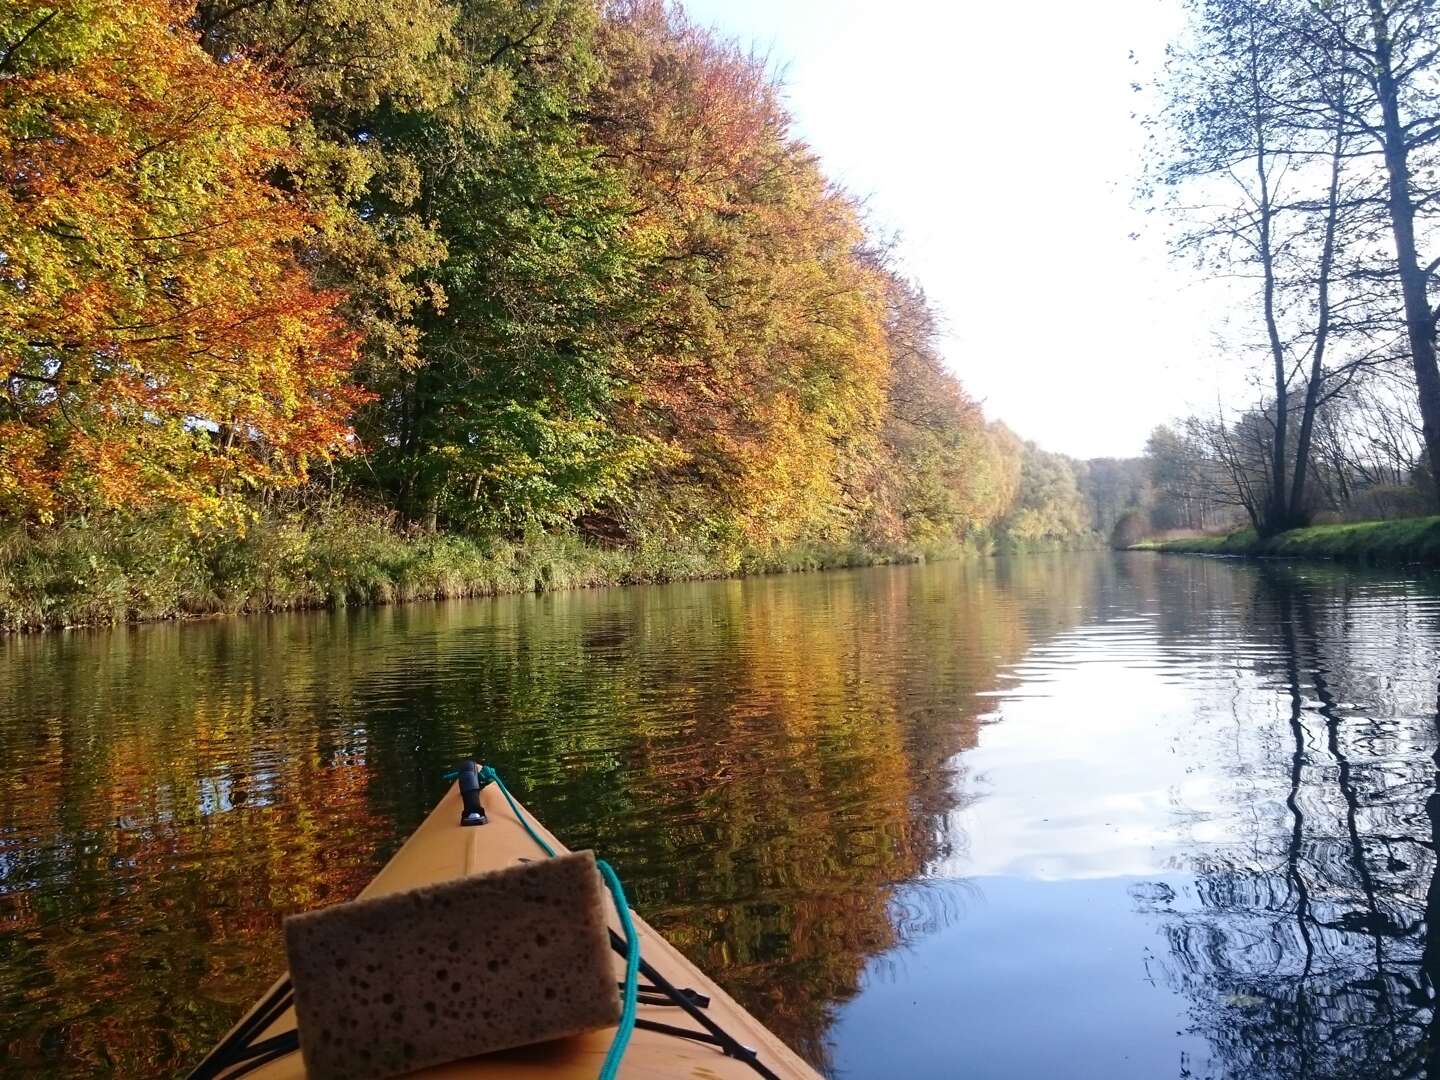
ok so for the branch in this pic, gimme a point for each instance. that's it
(513, 43)
(12, 49)
(1423, 140)
(25, 376)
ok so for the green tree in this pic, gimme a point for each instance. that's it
(505, 421)
(1049, 505)
(484, 248)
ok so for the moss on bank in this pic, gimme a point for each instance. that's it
(92, 574)
(1409, 540)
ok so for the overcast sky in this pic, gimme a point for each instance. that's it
(999, 141)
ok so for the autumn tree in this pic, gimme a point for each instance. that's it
(600, 282)
(160, 340)
(1049, 505)
(351, 65)
(761, 366)
(939, 475)
(577, 265)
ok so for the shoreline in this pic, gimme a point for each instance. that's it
(600, 569)
(87, 579)
(1409, 540)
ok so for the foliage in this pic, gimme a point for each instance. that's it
(352, 62)
(1131, 529)
(564, 270)
(1184, 480)
(939, 472)
(1050, 505)
(331, 553)
(1115, 487)
(762, 364)
(161, 341)
(504, 425)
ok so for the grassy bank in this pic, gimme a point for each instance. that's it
(88, 574)
(1410, 540)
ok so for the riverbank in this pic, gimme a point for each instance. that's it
(83, 574)
(1409, 540)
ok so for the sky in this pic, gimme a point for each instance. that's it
(1001, 143)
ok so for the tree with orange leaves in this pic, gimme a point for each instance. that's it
(763, 370)
(160, 339)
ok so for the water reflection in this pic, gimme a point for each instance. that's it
(1077, 815)
(1202, 825)
(761, 759)
(1313, 950)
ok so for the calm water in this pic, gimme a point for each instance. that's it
(1088, 816)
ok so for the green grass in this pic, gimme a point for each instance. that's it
(1408, 540)
(103, 573)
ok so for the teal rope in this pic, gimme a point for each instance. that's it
(490, 776)
(611, 1069)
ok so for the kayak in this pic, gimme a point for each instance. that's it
(686, 1025)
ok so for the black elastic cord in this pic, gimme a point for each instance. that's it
(722, 1038)
(677, 1032)
(237, 1051)
(262, 1053)
(653, 995)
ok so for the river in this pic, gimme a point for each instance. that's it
(1090, 815)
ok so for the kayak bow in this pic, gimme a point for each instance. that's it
(685, 1024)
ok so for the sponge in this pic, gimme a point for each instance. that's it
(401, 982)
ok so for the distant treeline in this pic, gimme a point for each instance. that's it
(1367, 467)
(488, 267)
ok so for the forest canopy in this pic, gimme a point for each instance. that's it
(482, 267)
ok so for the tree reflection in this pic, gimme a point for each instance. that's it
(762, 760)
(1314, 950)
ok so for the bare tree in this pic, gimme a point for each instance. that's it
(1383, 56)
(1198, 485)
(1269, 186)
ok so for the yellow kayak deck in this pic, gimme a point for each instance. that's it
(441, 850)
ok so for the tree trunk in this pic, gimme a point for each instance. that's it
(1419, 322)
(1322, 337)
(1272, 517)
